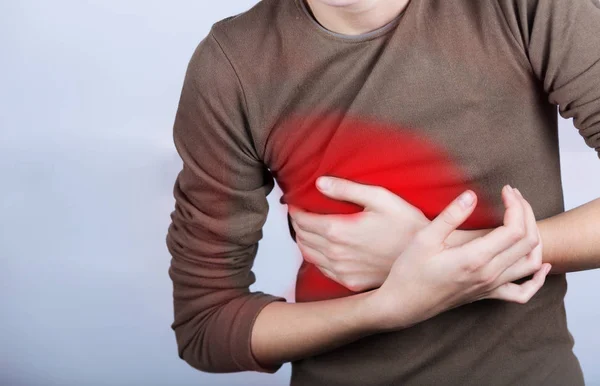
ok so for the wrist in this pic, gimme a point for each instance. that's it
(380, 313)
(367, 312)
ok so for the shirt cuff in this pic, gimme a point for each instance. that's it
(241, 347)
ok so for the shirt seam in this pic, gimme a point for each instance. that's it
(239, 80)
(347, 40)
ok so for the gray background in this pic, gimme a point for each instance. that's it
(88, 93)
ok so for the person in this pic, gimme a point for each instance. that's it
(403, 105)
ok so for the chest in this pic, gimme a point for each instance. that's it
(423, 115)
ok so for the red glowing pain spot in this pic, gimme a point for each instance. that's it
(400, 159)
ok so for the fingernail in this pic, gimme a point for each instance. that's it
(323, 183)
(548, 268)
(466, 199)
(510, 188)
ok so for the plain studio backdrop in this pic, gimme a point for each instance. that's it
(88, 94)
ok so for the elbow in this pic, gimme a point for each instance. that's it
(217, 339)
(214, 314)
(199, 353)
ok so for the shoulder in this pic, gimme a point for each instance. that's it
(248, 41)
(236, 38)
(524, 17)
(245, 34)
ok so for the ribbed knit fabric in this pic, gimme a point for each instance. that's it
(452, 94)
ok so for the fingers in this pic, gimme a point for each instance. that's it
(485, 248)
(521, 293)
(449, 219)
(354, 283)
(524, 257)
(309, 239)
(328, 273)
(329, 226)
(525, 266)
(313, 256)
(367, 196)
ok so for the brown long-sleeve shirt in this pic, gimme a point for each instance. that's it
(450, 94)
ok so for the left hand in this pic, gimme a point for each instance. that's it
(357, 250)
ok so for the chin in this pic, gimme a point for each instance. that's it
(340, 3)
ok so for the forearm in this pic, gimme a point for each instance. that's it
(284, 332)
(570, 239)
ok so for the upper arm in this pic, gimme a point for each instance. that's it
(220, 209)
(562, 42)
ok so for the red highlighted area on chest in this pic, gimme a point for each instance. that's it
(400, 159)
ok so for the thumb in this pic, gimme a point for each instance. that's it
(452, 216)
(346, 190)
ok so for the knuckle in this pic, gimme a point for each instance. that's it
(308, 258)
(523, 298)
(329, 274)
(331, 232)
(354, 285)
(331, 267)
(487, 278)
(520, 231)
(483, 251)
(335, 252)
(463, 278)
(471, 265)
(298, 223)
(348, 280)
(339, 269)
(516, 233)
(533, 240)
(536, 263)
(525, 294)
(301, 237)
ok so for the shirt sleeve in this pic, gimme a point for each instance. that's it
(562, 42)
(220, 209)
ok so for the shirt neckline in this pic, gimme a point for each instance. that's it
(381, 31)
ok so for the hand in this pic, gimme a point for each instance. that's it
(357, 250)
(429, 277)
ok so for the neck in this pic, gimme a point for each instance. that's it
(355, 17)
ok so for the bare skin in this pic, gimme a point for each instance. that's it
(358, 250)
(427, 278)
(439, 263)
(569, 237)
(355, 17)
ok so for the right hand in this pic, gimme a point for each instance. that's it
(429, 277)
